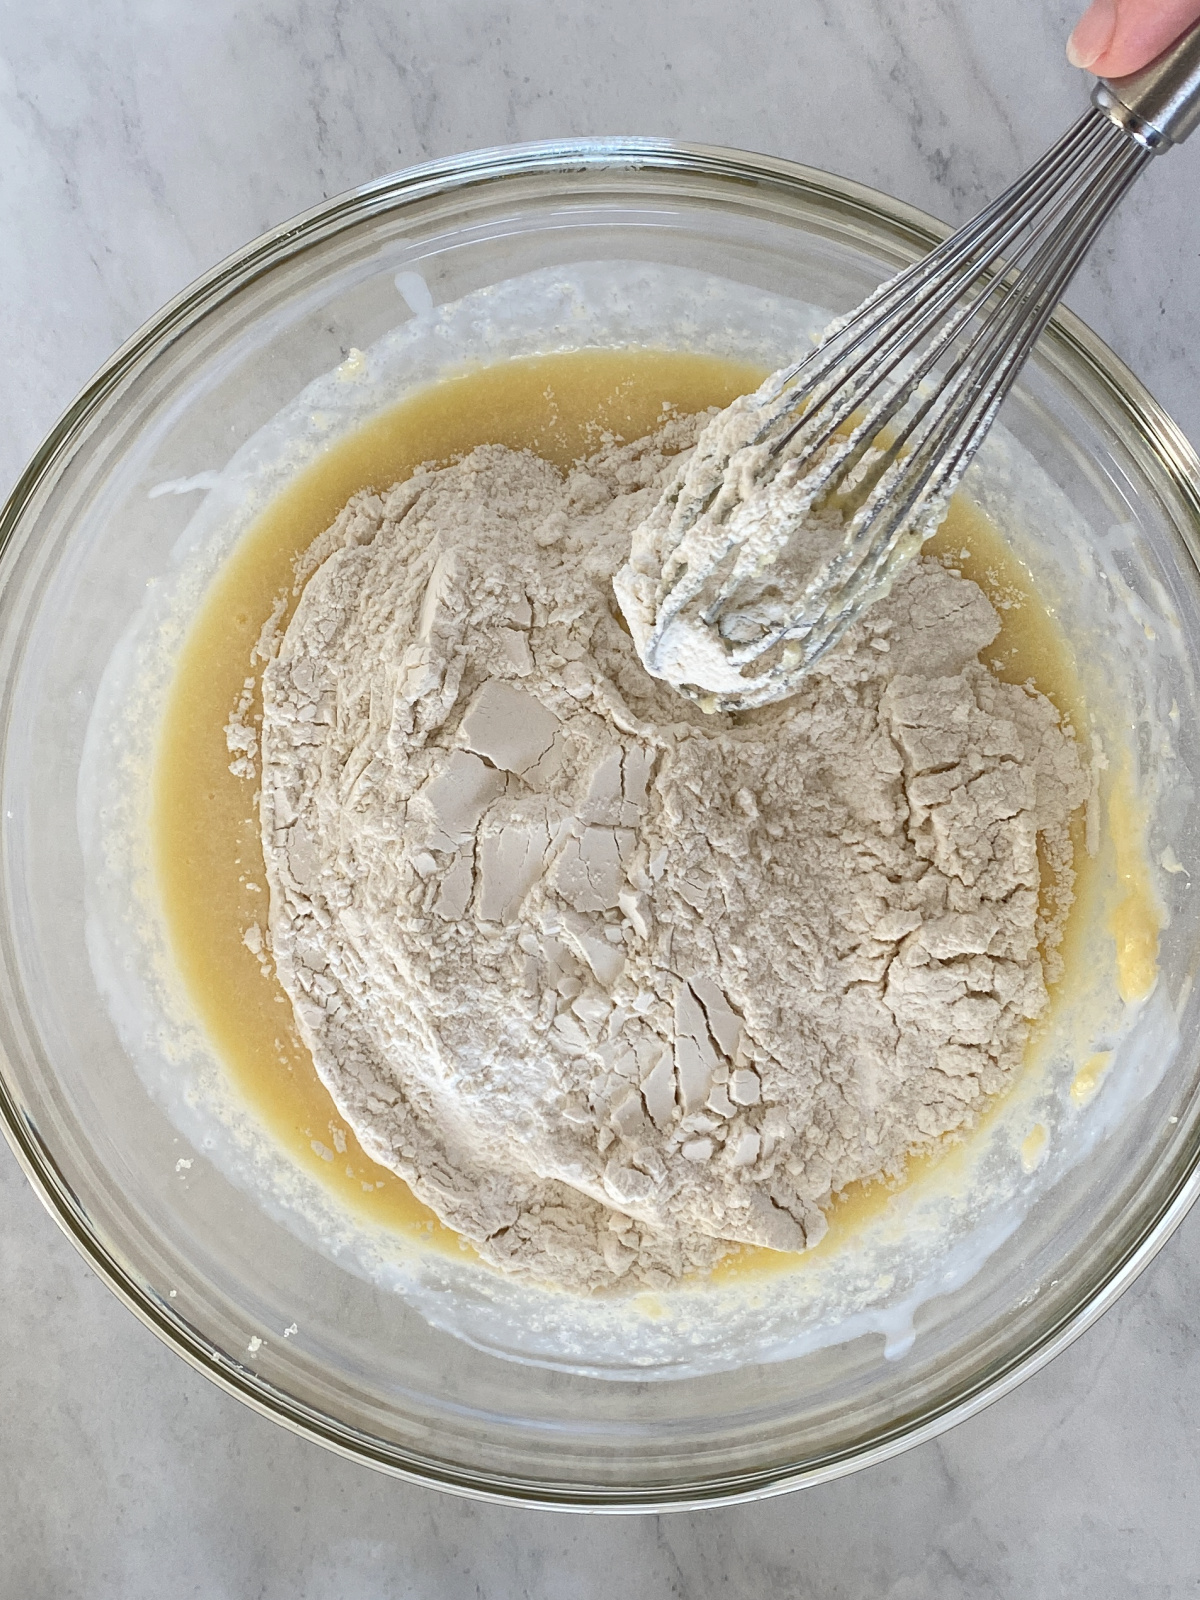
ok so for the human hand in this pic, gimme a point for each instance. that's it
(1114, 37)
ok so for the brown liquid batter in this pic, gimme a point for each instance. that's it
(206, 829)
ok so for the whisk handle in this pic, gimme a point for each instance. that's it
(1160, 105)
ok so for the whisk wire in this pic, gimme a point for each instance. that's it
(920, 466)
(891, 306)
(1010, 292)
(911, 383)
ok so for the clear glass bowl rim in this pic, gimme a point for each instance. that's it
(1067, 336)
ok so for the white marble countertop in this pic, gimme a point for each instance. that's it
(142, 140)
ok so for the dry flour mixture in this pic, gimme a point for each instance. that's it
(610, 982)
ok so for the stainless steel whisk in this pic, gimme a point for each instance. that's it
(887, 412)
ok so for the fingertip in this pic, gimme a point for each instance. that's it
(1093, 34)
(1075, 55)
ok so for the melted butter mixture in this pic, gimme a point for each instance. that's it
(206, 829)
(1087, 1079)
(1134, 919)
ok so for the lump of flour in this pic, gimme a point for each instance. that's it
(611, 983)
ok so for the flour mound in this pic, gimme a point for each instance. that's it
(610, 983)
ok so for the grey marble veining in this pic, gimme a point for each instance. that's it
(141, 140)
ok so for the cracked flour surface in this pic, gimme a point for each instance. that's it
(609, 982)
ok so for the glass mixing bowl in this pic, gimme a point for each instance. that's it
(200, 1261)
